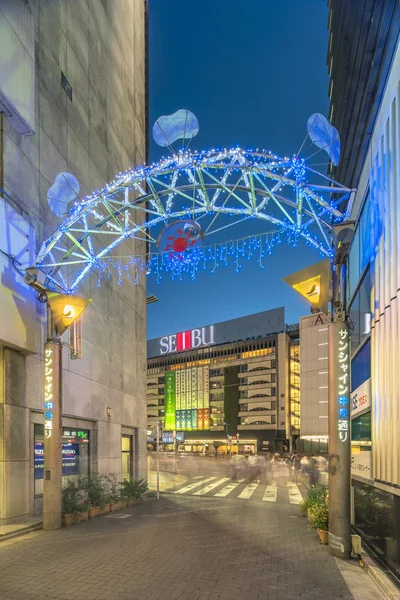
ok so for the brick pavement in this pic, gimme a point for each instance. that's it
(182, 548)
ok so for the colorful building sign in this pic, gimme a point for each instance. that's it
(170, 401)
(187, 399)
(195, 338)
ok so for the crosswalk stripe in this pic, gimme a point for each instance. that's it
(294, 493)
(199, 477)
(228, 489)
(192, 486)
(270, 493)
(204, 490)
(248, 491)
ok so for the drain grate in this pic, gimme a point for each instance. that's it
(117, 516)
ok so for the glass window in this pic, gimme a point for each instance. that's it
(75, 454)
(361, 366)
(361, 428)
(360, 253)
(360, 313)
(126, 470)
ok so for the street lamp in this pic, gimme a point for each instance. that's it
(63, 310)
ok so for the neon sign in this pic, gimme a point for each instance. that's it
(186, 340)
(48, 391)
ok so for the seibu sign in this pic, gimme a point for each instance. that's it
(361, 398)
(187, 340)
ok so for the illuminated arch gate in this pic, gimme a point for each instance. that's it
(286, 195)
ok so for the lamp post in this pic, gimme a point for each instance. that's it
(339, 398)
(63, 310)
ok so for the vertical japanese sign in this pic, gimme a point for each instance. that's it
(194, 398)
(339, 438)
(52, 464)
(206, 398)
(200, 390)
(50, 352)
(188, 398)
(343, 402)
(170, 399)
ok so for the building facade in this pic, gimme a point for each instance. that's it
(228, 387)
(364, 64)
(72, 99)
(314, 383)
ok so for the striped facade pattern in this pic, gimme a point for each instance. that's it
(384, 185)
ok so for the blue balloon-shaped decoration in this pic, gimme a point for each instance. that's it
(182, 124)
(325, 136)
(64, 189)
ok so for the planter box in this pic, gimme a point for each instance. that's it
(83, 516)
(131, 502)
(68, 520)
(118, 505)
(96, 511)
(106, 509)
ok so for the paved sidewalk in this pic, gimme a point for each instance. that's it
(180, 548)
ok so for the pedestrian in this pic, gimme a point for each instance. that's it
(234, 467)
(296, 467)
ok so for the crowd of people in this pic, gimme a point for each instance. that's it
(267, 467)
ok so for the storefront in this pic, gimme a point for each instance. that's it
(75, 457)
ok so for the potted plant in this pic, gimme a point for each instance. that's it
(132, 491)
(69, 507)
(319, 515)
(96, 495)
(83, 512)
(115, 493)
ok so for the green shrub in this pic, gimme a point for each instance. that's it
(113, 487)
(133, 490)
(97, 490)
(316, 494)
(69, 503)
(319, 516)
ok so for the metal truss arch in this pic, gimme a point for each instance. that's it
(283, 193)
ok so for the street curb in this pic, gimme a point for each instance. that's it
(389, 589)
(23, 531)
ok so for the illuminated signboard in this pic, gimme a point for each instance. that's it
(361, 398)
(48, 390)
(343, 384)
(187, 399)
(195, 338)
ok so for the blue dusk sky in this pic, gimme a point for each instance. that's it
(252, 72)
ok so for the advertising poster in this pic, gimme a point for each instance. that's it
(200, 387)
(200, 419)
(206, 418)
(194, 418)
(188, 419)
(179, 419)
(170, 398)
(206, 399)
(70, 459)
(194, 389)
(188, 389)
(182, 375)
(178, 391)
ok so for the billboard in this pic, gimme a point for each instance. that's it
(187, 399)
(170, 401)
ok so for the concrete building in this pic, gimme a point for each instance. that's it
(364, 67)
(229, 386)
(72, 99)
(313, 383)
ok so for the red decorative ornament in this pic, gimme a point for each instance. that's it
(180, 237)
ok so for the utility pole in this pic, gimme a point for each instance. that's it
(339, 349)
